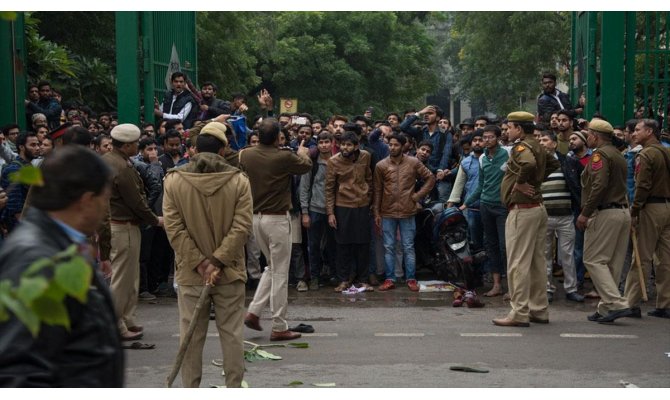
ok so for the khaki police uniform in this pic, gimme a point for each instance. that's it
(526, 226)
(608, 226)
(128, 209)
(652, 206)
(269, 169)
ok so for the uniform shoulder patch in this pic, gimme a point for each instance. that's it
(520, 148)
(596, 162)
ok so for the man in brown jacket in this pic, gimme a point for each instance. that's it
(396, 203)
(606, 221)
(128, 209)
(348, 197)
(207, 208)
(650, 212)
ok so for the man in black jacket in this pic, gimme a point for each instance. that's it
(551, 99)
(68, 208)
(178, 103)
(210, 106)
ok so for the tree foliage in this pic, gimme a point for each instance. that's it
(332, 62)
(498, 57)
(75, 52)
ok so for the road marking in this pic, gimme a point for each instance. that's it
(491, 334)
(319, 335)
(208, 335)
(597, 336)
(400, 334)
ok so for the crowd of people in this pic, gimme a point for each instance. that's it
(208, 195)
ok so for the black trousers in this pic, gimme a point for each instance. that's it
(353, 262)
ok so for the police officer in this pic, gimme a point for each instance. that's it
(526, 225)
(128, 209)
(650, 213)
(606, 221)
(269, 169)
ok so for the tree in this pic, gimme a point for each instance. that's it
(498, 57)
(332, 62)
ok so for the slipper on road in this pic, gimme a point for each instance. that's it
(139, 346)
(302, 328)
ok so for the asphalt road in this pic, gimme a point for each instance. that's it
(405, 339)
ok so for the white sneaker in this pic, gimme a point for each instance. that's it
(146, 296)
(302, 286)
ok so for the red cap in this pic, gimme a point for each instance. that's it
(58, 132)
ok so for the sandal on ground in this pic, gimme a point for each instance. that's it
(139, 346)
(302, 328)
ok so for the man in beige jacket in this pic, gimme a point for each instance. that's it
(207, 210)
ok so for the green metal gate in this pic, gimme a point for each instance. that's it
(620, 61)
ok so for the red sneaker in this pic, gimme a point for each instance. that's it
(412, 285)
(387, 285)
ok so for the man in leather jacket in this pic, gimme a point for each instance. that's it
(67, 209)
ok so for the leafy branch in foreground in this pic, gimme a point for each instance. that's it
(40, 296)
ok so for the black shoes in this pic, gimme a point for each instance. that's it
(659, 313)
(614, 315)
(574, 296)
(594, 317)
(636, 312)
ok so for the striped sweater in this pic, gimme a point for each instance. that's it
(556, 195)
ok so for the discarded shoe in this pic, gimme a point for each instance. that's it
(471, 300)
(302, 328)
(139, 346)
(468, 368)
(284, 335)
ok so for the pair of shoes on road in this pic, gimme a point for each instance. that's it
(611, 316)
(314, 284)
(574, 296)
(284, 335)
(252, 321)
(387, 285)
(302, 328)
(659, 313)
(146, 296)
(302, 286)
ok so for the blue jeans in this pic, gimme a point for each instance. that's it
(407, 232)
(475, 228)
(444, 190)
(493, 222)
(319, 228)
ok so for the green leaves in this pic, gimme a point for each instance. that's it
(74, 277)
(40, 296)
(27, 175)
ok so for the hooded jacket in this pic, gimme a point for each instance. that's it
(207, 211)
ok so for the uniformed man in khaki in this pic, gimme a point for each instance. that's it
(606, 221)
(650, 213)
(526, 225)
(128, 209)
(269, 169)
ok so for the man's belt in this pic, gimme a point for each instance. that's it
(523, 205)
(654, 199)
(117, 222)
(610, 206)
